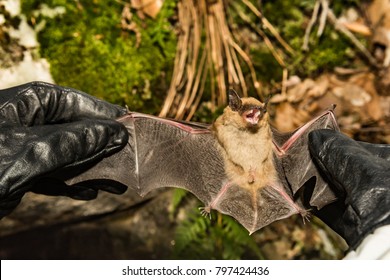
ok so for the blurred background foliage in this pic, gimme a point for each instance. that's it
(116, 51)
(89, 50)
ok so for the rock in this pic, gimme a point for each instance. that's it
(110, 227)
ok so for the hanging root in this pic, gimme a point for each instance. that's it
(206, 48)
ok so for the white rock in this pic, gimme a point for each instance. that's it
(25, 34)
(27, 70)
(2, 19)
(12, 6)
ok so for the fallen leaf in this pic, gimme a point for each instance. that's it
(148, 7)
(378, 14)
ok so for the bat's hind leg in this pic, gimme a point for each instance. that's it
(305, 214)
(205, 211)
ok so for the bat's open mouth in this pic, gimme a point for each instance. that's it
(252, 116)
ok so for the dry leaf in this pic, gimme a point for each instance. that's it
(378, 11)
(289, 117)
(148, 7)
(298, 92)
(353, 22)
(385, 105)
(379, 15)
(354, 94)
(358, 27)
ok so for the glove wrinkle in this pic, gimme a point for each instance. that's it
(379, 150)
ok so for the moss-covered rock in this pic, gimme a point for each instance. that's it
(88, 50)
(326, 52)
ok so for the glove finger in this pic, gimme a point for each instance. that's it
(82, 191)
(53, 187)
(56, 146)
(345, 162)
(42, 103)
(380, 150)
(104, 185)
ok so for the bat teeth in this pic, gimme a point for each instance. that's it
(252, 121)
(252, 116)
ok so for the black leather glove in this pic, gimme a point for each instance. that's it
(44, 128)
(360, 175)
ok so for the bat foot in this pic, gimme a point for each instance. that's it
(205, 211)
(305, 214)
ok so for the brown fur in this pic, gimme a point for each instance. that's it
(247, 149)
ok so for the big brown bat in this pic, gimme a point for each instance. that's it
(240, 165)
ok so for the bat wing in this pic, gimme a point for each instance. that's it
(293, 156)
(166, 153)
(162, 153)
(255, 208)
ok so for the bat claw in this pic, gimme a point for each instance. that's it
(205, 211)
(305, 214)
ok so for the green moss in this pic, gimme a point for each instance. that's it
(339, 6)
(88, 50)
(267, 68)
(218, 238)
(332, 49)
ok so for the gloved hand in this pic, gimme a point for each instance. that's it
(44, 128)
(360, 175)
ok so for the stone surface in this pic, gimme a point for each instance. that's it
(110, 227)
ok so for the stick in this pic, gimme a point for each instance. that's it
(340, 27)
(325, 9)
(268, 25)
(309, 27)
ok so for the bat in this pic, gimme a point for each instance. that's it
(239, 165)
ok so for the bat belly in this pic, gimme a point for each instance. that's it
(248, 157)
(252, 174)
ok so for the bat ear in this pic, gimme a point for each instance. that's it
(235, 102)
(266, 103)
